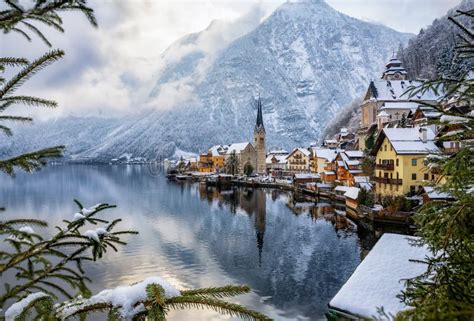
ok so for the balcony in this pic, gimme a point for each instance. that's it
(386, 180)
(385, 166)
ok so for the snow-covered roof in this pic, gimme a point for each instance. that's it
(399, 105)
(361, 179)
(237, 147)
(353, 162)
(306, 176)
(217, 150)
(352, 193)
(379, 278)
(409, 141)
(329, 173)
(328, 154)
(354, 153)
(281, 159)
(393, 90)
(302, 150)
(342, 188)
(383, 113)
(435, 194)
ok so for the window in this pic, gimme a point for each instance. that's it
(432, 176)
(397, 161)
(413, 176)
(385, 147)
(426, 176)
(413, 162)
(412, 189)
(391, 149)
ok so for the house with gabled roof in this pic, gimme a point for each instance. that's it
(399, 155)
(299, 160)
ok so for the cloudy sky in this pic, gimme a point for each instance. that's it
(105, 69)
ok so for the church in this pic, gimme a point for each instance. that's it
(385, 102)
(248, 154)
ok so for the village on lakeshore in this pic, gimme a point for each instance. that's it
(382, 170)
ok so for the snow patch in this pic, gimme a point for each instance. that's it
(125, 297)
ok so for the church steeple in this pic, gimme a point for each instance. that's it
(259, 125)
(394, 70)
(259, 139)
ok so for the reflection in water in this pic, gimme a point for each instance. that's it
(295, 256)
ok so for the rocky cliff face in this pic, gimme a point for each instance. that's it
(306, 61)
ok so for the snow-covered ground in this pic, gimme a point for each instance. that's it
(380, 277)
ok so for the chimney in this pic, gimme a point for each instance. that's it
(423, 134)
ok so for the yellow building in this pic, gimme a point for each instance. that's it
(400, 154)
(217, 154)
(205, 164)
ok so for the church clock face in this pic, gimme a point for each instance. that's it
(397, 76)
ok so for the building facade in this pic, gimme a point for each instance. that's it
(400, 155)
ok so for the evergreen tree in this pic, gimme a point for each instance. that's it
(232, 164)
(248, 169)
(403, 121)
(445, 291)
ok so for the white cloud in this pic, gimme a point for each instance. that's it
(112, 67)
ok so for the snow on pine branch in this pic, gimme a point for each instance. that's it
(17, 308)
(127, 298)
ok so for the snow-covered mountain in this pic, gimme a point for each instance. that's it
(306, 60)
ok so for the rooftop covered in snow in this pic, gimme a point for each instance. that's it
(379, 278)
(411, 141)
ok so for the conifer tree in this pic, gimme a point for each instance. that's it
(402, 123)
(232, 164)
(446, 290)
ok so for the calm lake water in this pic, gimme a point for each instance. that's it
(295, 257)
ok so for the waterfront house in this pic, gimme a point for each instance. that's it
(399, 154)
(379, 279)
(348, 166)
(299, 160)
(276, 162)
(304, 178)
(218, 153)
(351, 196)
(205, 164)
(321, 158)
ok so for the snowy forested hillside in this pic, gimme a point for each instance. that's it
(432, 52)
(306, 61)
(428, 55)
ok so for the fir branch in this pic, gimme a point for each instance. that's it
(222, 307)
(218, 292)
(28, 100)
(30, 161)
(37, 32)
(30, 70)
(13, 61)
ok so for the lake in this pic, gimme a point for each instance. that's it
(295, 256)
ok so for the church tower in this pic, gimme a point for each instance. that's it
(394, 70)
(259, 140)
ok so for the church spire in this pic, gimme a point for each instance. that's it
(259, 125)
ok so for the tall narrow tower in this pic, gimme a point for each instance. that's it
(259, 140)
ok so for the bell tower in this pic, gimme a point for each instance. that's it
(259, 140)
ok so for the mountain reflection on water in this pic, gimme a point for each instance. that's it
(295, 256)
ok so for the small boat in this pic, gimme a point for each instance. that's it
(183, 177)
